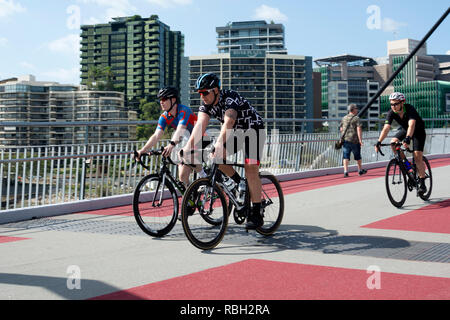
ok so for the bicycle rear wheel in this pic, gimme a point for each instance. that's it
(272, 203)
(204, 214)
(396, 183)
(428, 180)
(155, 206)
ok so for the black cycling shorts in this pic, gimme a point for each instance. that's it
(417, 139)
(250, 141)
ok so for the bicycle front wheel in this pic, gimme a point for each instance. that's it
(155, 205)
(204, 214)
(428, 180)
(396, 183)
(272, 204)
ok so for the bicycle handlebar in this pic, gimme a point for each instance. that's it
(155, 152)
(396, 144)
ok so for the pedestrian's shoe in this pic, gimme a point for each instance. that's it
(254, 221)
(422, 186)
(345, 174)
(362, 171)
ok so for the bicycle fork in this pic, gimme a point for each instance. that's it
(159, 202)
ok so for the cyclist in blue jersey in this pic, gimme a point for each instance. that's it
(177, 116)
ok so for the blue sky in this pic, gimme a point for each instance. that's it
(42, 37)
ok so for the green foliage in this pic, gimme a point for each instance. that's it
(135, 18)
(148, 111)
(101, 79)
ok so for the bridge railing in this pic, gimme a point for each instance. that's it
(37, 176)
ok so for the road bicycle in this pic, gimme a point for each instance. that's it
(402, 176)
(155, 199)
(215, 198)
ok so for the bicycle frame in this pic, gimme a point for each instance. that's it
(399, 155)
(164, 173)
(229, 193)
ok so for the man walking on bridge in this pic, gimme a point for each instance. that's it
(352, 134)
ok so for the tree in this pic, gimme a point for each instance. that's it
(100, 78)
(147, 111)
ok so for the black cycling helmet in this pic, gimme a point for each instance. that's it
(207, 81)
(168, 92)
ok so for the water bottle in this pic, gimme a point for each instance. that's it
(407, 165)
(241, 191)
(229, 183)
(202, 174)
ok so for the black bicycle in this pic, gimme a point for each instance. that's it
(400, 179)
(215, 198)
(155, 199)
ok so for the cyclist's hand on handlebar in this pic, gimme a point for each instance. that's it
(407, 142)
(377, 146)
(137, 155)
(216, 150)
(167, 150)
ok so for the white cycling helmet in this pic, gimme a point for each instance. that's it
(397, 96)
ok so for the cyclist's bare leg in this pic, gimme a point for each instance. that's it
(227, 169)
(183, 173)
(393, 141)
(418, 157)
(254, 182)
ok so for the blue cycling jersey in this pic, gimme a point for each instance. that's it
(184, 117)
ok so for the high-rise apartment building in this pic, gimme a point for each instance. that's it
(143, 54)
(24, 99)
(251, 35)
(279, 86)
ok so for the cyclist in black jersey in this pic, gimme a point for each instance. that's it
(241, 122)
(412, 129)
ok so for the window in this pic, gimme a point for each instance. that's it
(447, 104)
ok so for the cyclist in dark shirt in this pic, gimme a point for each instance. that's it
(242, 129)
(412, 129)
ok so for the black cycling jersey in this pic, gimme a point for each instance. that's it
(247, 116)
(410, 113)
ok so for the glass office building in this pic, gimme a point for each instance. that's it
(143, 54)
(279, 86)
(418, 80)
(430, 98)
(348, 79)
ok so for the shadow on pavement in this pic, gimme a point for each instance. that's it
(58, 285)
(309, 238)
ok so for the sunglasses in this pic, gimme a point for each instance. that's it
(395, 104)
(205, 92)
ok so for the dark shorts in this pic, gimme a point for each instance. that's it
(349, 147)
(250, 141)
(417, 139)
